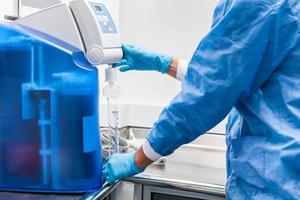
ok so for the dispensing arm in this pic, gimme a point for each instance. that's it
(85, 24)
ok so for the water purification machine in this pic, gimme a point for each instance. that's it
(49, 122)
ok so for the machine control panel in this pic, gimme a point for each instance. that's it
(105, 19)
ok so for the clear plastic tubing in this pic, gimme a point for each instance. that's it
(112, 91)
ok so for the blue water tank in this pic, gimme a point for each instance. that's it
(49, 123)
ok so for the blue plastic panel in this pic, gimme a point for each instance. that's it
(49, 135)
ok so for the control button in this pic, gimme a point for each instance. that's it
(95, 54)
(100, 18)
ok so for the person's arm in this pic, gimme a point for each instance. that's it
(172, 71)
(221, 72)
(137, 58)
(178, 68)
(141, 160)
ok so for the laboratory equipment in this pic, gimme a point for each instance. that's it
(112, 92)
(49, 122)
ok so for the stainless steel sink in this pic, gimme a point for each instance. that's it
(197, 167)
(208, 150)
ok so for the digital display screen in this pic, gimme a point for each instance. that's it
(103, 17)
(98, 8)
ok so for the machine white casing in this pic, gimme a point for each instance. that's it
(81, 25)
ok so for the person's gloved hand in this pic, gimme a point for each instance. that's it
(136, 58)
(120, 166)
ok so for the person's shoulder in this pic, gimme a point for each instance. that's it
(258, 6)
(255, 3)
(275, 4)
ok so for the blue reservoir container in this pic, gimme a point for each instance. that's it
(49, 127)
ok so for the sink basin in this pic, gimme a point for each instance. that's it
(208, 150)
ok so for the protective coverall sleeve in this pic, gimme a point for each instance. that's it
(220, 74)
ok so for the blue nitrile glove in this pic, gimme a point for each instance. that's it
(120, 166)
(136, 58)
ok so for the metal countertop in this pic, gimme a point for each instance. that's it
(181, 176)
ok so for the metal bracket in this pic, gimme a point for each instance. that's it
(16, 11)
(11, 18)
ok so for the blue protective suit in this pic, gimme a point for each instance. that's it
(248, 63)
